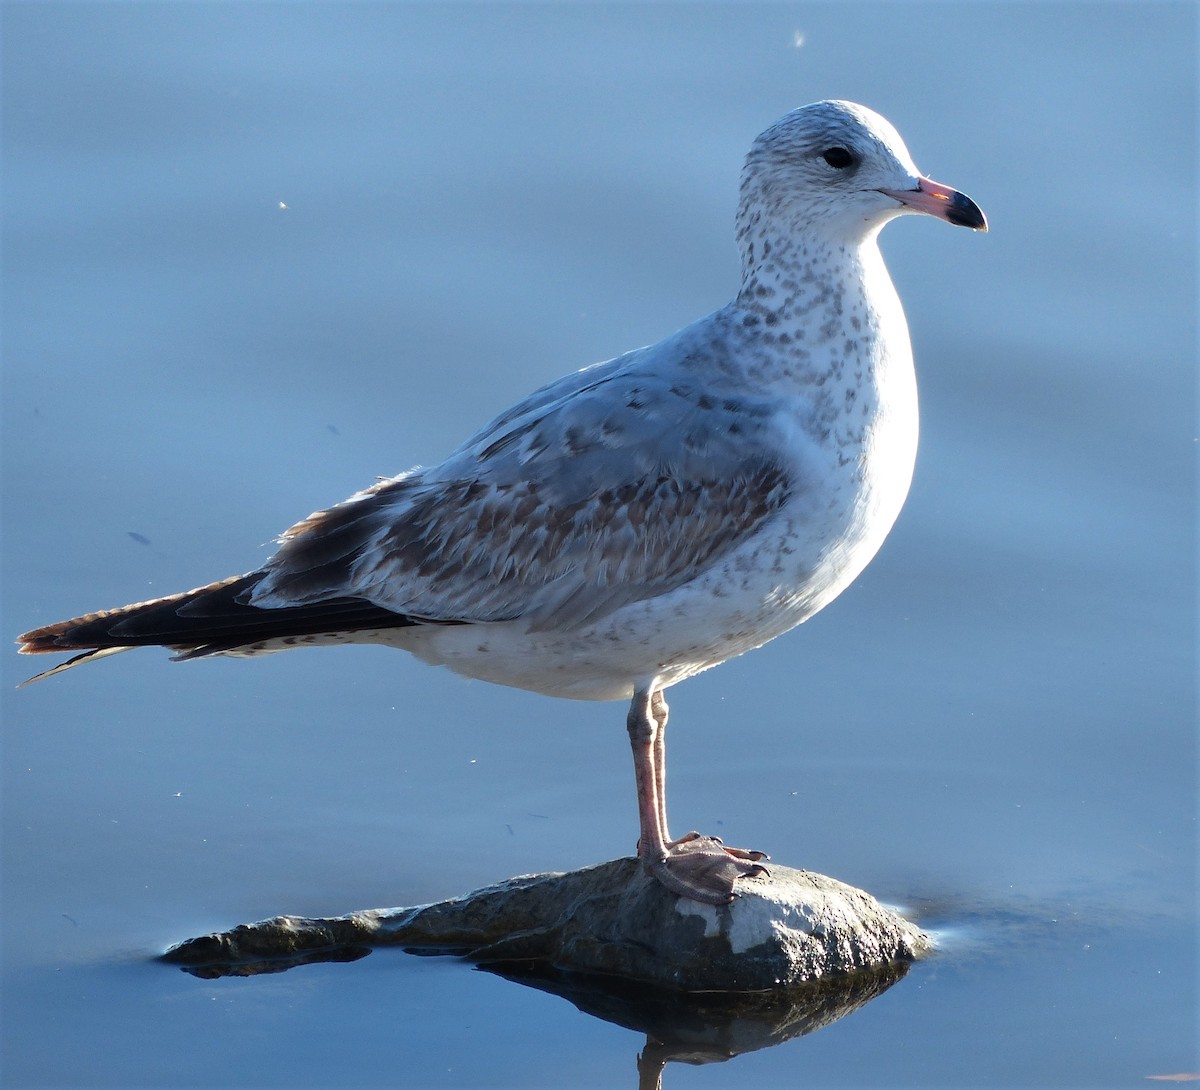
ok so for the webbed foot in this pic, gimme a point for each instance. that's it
(738, 853)
(703, 869)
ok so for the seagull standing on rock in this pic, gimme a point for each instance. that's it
(643, 519)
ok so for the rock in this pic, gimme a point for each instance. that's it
(785, 928)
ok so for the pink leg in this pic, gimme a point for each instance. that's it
(659, 709)
(694, 866)
(644, 736)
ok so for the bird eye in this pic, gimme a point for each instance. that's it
(838, 158)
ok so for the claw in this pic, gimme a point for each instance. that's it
(744, 853)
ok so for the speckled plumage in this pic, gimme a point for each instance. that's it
(646, 518)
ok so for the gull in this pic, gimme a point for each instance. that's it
(643, 519)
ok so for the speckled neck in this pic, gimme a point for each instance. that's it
(817, 313)
(788, 249)
(806, 295)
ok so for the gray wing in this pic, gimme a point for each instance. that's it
(613, 485)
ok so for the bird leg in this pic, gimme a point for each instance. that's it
(694, 866)
(659, 710)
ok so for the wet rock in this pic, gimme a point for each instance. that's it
(785, 928)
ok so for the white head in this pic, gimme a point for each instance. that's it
(839, 170)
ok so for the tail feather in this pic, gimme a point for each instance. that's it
(74, 660)
(205, 621)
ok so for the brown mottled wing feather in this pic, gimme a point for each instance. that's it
(622, 490)
(471, 553)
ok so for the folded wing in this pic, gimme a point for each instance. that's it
(622, 489)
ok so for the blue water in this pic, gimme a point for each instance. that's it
(255, 255)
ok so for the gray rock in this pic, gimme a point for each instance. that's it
(785, 928)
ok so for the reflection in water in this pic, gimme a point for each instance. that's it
(685, 1027)
(707, 1027)
(216, 970)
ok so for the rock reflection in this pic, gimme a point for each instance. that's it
(680, 1027)
(707, 1027)
(216, 970)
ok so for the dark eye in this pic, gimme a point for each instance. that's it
(838, 158)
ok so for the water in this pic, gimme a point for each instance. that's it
(995, 727)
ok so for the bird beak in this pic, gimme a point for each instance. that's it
(941, 201)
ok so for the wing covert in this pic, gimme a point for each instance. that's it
(612, 486)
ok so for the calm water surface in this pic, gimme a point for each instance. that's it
(257, 254)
